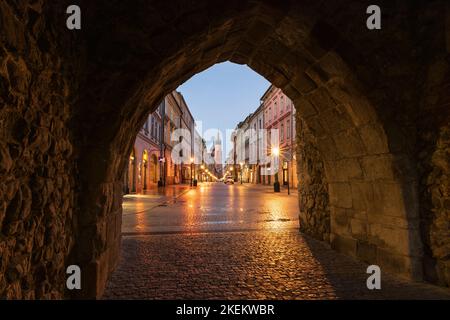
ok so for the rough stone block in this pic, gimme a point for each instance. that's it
(374, 138)
(362, 195)
(339, 221)
(321, 100)
(95, 277)
(366, 251)
(349, 144)
(347, 169)
(402, 241)
(356, 105)
(410, 267)
(305, 85)
(327, 148)
(388, 200)
(343, 244)
(316, 128)
(333, 65)
(358, 228)
(334, 121)
(304, 108)
(340, 195)
(378, 167)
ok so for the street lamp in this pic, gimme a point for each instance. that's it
(192, 162)
(276, 184)
(241, 164)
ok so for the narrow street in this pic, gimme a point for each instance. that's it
(237, 241)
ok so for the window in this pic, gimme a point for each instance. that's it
(282, 132)
(288, 129)
(152, 125)
(260, 124)
(270, 114)
(281, 103)
(275, 111)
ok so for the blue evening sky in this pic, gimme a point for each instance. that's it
(223, 95)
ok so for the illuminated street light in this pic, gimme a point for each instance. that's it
(276, 184)
(192, 181)
(275, 151)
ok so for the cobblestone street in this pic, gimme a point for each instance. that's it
(210, 207)
(233, 261)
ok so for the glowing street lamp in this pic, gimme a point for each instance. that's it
(275, 151)
(276, 184)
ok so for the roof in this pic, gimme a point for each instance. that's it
(267, 92)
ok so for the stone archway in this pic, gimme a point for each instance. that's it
(357, 121)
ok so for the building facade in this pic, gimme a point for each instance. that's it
(252, 159)
(152, 161)
(256, 145)
(143, 171)
(279, 114)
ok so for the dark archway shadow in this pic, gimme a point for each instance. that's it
(348, 277)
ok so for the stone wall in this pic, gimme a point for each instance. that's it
(433, 143)
(36, 156)
(434, 168)
(313, 197)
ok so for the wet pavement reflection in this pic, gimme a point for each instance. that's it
(210, 207)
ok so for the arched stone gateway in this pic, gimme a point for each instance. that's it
(373, 125)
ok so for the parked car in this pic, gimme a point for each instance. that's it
(228, 180)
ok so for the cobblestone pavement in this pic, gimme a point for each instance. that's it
(139, 203)
(213, 207)
(237, 242)
(265, 264)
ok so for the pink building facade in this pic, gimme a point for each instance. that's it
(144, 170)
(279, 114)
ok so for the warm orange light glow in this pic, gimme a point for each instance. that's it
(275, 151)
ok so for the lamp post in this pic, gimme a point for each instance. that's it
(288, 182)
(162, 178)
(276, 184)
(192, 181)
(241, 164)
